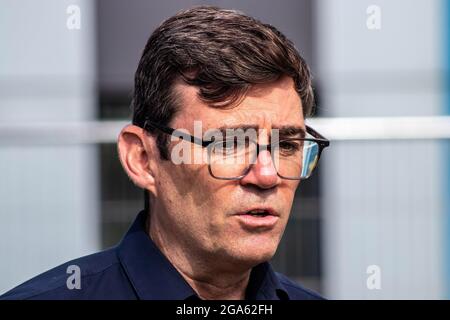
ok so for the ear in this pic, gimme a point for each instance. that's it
(137, 154)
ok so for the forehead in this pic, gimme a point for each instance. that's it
(268, 105)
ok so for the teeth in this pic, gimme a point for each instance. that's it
(258, 211)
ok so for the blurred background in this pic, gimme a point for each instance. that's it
(373, 222)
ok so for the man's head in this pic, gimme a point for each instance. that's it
(222, 68)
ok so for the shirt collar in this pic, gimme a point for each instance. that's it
(154, 277)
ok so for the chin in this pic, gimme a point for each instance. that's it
(255, 250)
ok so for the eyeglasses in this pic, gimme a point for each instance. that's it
(232, 158)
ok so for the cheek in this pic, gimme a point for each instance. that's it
(287, 189)
(189, 187)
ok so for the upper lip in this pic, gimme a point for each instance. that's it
(270, 210)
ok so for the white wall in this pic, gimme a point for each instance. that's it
(382, 200)
(48, 193)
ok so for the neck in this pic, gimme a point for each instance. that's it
(203, 274)
(232, 288)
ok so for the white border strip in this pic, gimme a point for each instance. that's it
(379, 128)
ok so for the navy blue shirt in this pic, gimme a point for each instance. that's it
(136, 269)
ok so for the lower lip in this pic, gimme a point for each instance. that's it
(250, 221)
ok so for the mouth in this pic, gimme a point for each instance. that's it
(258, 218)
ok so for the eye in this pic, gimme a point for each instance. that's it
(228, 146)
(225, 147)
(231, 146)
(290, 147)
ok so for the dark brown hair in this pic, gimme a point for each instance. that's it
(222, 52)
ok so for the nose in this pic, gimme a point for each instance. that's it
(262, 173)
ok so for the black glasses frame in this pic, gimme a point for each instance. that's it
(318, 138)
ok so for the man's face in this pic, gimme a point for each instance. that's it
(205, 213)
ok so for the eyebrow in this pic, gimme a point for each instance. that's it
(285, 131)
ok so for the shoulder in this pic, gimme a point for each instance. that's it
(296, 291)
(90, 277)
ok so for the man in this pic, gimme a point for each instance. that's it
(210, 224)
